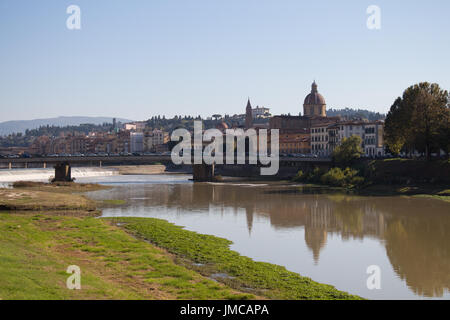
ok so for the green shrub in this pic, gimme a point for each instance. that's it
(315, 175)
(311, 176)
(342, 178)
(299, 177)
(337, 177)
(357, 181)
(334, 177)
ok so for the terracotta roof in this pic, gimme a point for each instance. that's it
(293, 131)
(323, 124)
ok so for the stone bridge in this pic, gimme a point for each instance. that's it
(289, 166)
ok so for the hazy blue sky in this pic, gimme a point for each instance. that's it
(135, 59)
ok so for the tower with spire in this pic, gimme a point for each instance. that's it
(248, 115)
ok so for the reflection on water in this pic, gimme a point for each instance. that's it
(330, 237)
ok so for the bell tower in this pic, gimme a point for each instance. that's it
(248, 115)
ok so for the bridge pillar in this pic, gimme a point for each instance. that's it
(63, 172)
(203, 172)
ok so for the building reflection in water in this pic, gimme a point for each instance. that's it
(414, 232)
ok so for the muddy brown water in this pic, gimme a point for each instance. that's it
(332, 238)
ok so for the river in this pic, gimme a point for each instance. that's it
(332, 238)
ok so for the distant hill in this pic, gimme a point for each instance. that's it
(351, 114)
(9, 127)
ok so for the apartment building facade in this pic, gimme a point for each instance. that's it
(154, 139)
(326, 137)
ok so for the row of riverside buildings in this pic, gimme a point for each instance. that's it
(130, 139)
(315, 133)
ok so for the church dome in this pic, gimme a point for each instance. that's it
(314, 98)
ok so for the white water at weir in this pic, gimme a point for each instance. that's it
(8, 176)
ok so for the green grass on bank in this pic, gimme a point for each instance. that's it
(35, 251)
(210, 256)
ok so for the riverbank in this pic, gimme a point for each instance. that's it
(389, 177)
(130, 259)
(212, 257)
(438, 192)
(423, 190)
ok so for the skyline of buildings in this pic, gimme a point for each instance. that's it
(311, 133)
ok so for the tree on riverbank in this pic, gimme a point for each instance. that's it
(348, 151)
(419, 121)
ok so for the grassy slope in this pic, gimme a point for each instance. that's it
(209, 255)
(37, 249)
